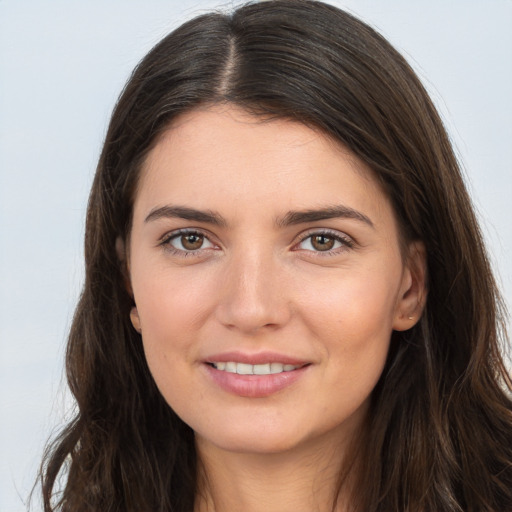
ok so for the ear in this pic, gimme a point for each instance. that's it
(413, 292)
(123, 261)
(125, 269)
(135, 319)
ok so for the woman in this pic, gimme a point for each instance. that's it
(288, 305)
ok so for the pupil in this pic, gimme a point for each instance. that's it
(192, 242)
(322, 242)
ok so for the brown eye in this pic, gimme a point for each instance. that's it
(325, 242)
(192, 241)
(322, 242)
(188, 242)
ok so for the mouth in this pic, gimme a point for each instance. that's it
(257, 375)
(254, 369)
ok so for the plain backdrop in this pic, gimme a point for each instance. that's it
(62, 65)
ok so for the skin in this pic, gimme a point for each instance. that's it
(257, 284)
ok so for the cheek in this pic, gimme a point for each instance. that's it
(172, 307)
(357, 304)
(352, 321)
(167, 300)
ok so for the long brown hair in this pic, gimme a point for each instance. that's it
(440, 428)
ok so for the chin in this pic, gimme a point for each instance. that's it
(254, 444)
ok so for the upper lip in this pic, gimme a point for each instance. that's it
(256, 358)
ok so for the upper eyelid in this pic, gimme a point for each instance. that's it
(347, 242)
(325, 231)
(300, 236)
(183, 231)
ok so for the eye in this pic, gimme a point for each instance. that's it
(324, 242)
(187, 241)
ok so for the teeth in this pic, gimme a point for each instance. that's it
(254, 369)
(230, 367)
(276, 367)
(244, 369)
(261, 369)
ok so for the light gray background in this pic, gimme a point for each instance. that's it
(62, 65)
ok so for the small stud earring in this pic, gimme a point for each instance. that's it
(411, 318)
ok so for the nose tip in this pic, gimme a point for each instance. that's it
(253, 298)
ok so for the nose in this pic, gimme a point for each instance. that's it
(253, 295)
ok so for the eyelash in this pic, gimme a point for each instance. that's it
(345, 241)
(166, 242)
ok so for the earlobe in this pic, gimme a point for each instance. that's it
(413, 295)
(135, 319)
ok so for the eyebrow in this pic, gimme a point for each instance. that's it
(182, 212)
(331, 212)
(291, 218)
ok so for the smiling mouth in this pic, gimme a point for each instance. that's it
(254, 369)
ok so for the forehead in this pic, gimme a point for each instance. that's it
(222, 158)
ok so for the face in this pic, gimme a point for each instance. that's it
(267, 275)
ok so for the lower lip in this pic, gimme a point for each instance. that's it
(255, 386)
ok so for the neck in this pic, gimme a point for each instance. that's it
(306, 479)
